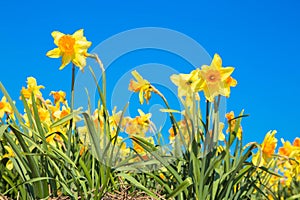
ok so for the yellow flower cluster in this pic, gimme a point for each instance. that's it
(289, 161)
(286, 161)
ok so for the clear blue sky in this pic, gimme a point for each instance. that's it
(259, 38)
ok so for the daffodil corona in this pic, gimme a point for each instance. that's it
(72, 48)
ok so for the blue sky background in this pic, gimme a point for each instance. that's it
(259, 38)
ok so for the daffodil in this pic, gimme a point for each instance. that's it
(287, 148)
(186, 84)
(213, 79)
(72, 48)
(84, 139)
(231, 125)
(296, 142)
(140, 85)
(32, 87)
(9, 154)
(5, 107)
(139, 125)
(267, 150)
(229, 82)
(59, 96)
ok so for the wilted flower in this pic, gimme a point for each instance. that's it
(4, 107)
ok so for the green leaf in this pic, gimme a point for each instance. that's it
(186, 183)
(137, 184)
(3, 129)
(65, 119)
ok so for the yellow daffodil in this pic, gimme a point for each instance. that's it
(44, 114)
(287, 148)
(124, 150)
(5, 107)
(139, 125)
(184, 128)
(229, 116)
(72, 48)
(53, 138)
(267, 149)
(32, 87)
(140, 150)
(140, 85)
(186, 84)
(62, 113)
(84, 139)
(296, 142)
(213, 79)
(9, 154)
(59, 96)
(229, 82)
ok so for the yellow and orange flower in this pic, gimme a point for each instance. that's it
(215, 80)
(5, 107)
(140, 85)
(139, 125)
(186, 84)
(32, 87)
(267, 150)
(229, 116)
(59, 96)
(287, 148)
(9, 154)
(72, 48)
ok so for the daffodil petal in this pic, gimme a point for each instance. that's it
(65, 60)
(226, 72)
(56, 36)
(54, 53)
(141, 97)
(217, 61)
(9, 165)
(78, 34)
(83, 44)
(79, 61)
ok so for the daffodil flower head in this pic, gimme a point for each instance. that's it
(231, 125)
(186, 84)
(32, 87)
(267, 149)
(72, 48)
(9, 154)
(213, 79)
(59, 96)
(5, 107)
(286, 149)
(140, 85)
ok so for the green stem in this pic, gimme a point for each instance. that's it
(172, 118)
(71, 127)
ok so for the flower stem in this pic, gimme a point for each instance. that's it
(172, 118)
(71, 127)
